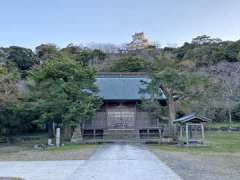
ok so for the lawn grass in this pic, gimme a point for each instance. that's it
(73, 147)
(218, 142)
(223, 125)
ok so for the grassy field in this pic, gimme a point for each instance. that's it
(218, 142)
(222, 125)
(67, 152)
(23, 150)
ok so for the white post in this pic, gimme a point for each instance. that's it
(58, 136)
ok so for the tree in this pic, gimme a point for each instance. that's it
(24, 58)
(176, 86)
(227, 75)
(171, 83)
(3, 56)
(232, 51)
(107, 48)
(8, 97)
(47, 51)
(238, 56)
(84, 56)
(8, 87)
(63, 91)
(205, 55)
(204, 39)
(98, 56)
(130, 64)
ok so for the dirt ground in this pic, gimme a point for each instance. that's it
(224, 166)
(26, 153)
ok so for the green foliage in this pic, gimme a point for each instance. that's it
(62, 91)
(155, 110)
(204, 51)
(130, 64)
(185, 87)
(24, 58)
(204, 39)
(47, 51)
(84, 56)
(170, 77)
(8, 98)
(16, 118)
(238, 56)
(232, 51)
(3, 71)
(162, 62)
(205, 55)
(8, 88)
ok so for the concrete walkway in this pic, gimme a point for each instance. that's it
(39, 170)
(111, 162)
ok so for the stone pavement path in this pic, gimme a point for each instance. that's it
(111, 162)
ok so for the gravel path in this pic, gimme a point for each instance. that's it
(111, 162)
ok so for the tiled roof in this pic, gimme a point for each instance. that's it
(125, 87)
(191, 118)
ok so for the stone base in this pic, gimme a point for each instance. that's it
(77, 136)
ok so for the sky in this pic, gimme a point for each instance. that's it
(30, 23)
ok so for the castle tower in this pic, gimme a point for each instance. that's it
(139, 41)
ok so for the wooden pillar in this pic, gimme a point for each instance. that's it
(203, 136)
(94, 133)
(187, 134)
(181, 133)
(147, 133)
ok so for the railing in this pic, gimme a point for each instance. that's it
(123, 134)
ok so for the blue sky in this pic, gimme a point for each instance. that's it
(32, 22)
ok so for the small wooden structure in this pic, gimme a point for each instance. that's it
(191, 129)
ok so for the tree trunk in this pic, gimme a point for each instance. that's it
(67, 132)
(50, 132)
(171, 109)
(171, 104)
(230, 118)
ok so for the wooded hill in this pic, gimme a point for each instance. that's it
(43, 85)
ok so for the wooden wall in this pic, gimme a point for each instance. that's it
(128, 109)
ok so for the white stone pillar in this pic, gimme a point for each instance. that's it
(58, 137)
(50, 142)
